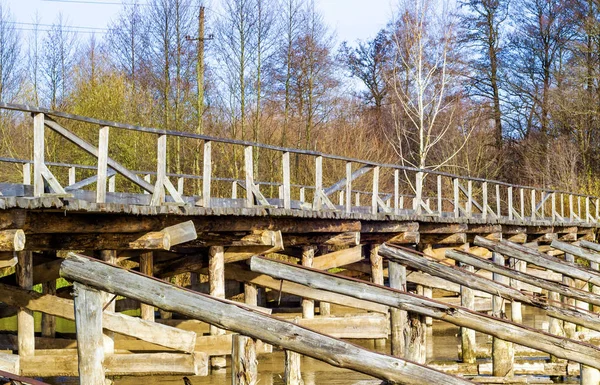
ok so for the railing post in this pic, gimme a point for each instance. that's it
(598, 209)
(147, 178)
(102, 164)
(72, 176)
(510, 203)
(38, 154)
(318, 203)
(533, 204)
(587, 209)
(348, 187)
(579, 206)
(571, 213)
(341, 198)
(180, 185)
(249, 170)
(287, 187)
(161, 171)
(419, 192)
(439, 194)
(375, 195)
(27, 174)
(484, 203)
(469, 199)
(207, 174)
(553, 206)
(234, 189)
(112, 183)
(562, 205)
(357, 199)
(302, 194)
(522, 195)
(456, 198)
(498, 202)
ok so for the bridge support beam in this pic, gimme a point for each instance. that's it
(503, 355)
(216, 276)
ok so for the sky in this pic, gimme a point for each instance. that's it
(349, 19)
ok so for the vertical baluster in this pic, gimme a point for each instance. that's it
(469, 199)
(357, 199)
(112, 182)
(249, 171)
(396, 192)
(571, 217)
(180, 185)
(439, 195)
(375, 195)
(27, 174)
(72, 176)
(456, 198)
(419, 192)
(207, 174)
(287, 185)
(38, 154)
(161, 171)
(234, 185)
(484, 203)
(533, 204)
(553, 206)
(348, 187)
(318, 203)
(522, 194)
(510, 203)
(498, 202)
(302, 194)
(587, 209)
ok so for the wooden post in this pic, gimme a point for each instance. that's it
(308, 305)
(484, 202)
(88, 324)
(502, 351)
(207, 173)
(439, 195)
(568, 327)
(348, 187)
(553, 206)
(595, 288)
(498, 202)
(467, 336)
(250, 294)
(109, 256)
(317, 201)
(49, 321)
(102, 164)
(39, 150)
(147, 267)
(533, 215)
(180, 185)
(397, 277)
(357, 199)
(376, 278)
(375, 195)
(244, 365)
(571, 212)
(397, 206)
(25, 322)
(419, 192)
(234, 189)
(515, 306)
(158, 197)
(510, 203)
(216, 276)
(27, 174)
(522, 193)
(292, 374)
(469, 205)
(72, 175)
(249, 172)
(287, 189)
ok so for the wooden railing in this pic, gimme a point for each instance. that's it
(430, 193)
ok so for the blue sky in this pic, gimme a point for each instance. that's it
(350, 19)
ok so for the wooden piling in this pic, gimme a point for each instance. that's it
(244, 365)
(516, 311)
(467, 336)
(88, 324)
(25, 322)
(398, 318)
(568, 327)
(308, 305)
(49, 321)
(503, 354)
(250, 294)
(109, 256)
(216, 276)
(416, 335)
(147, 267)
(292, 374)
(377, 278)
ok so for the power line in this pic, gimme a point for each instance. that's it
(64, 26)
(94, 2)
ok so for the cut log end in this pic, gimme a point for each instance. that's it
(12, 240)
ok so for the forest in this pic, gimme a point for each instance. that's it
(506, 90)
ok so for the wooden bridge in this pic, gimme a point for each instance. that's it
(476, 244)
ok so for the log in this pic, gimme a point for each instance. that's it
(49, 321)
(349, 239)
(576, 251)
(338, 258)
(234, 272)
(484, 264)
(148, 331)
(408, 237)
(539, 259)
(233, 316)
(467, 336)
(561, 347)
(181, 233)
(88, 324)
(238, 239)
(216, 276)
(12, 240)
(147, 268)
(292, 375)
(42, 273)
(398, 317)
(444, 239)
(244, 365)
(151, 241)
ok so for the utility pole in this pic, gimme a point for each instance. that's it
(200, 70)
